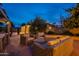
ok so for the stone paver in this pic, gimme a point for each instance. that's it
(18, 51)
(15, 49)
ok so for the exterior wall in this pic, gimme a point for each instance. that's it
(25, 29)
(22, 30)
(51, 28)
(3, 20)
(74, 31)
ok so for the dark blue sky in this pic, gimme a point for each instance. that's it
(23, 12)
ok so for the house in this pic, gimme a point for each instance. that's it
(51, 27)
(4, 20)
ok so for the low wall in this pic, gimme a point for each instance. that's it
(63, 48)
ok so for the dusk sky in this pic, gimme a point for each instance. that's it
(23, 12)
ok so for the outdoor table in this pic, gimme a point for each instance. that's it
(63, 48)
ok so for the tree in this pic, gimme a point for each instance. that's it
(73, 20)
(30, 22)
(23, 24)
(38, 25)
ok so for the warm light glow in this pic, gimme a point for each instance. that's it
(74, 31)
(53, 42)
(25, 29)
(50, 27)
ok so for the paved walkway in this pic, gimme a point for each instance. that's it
(18, 51)
(15, 49)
